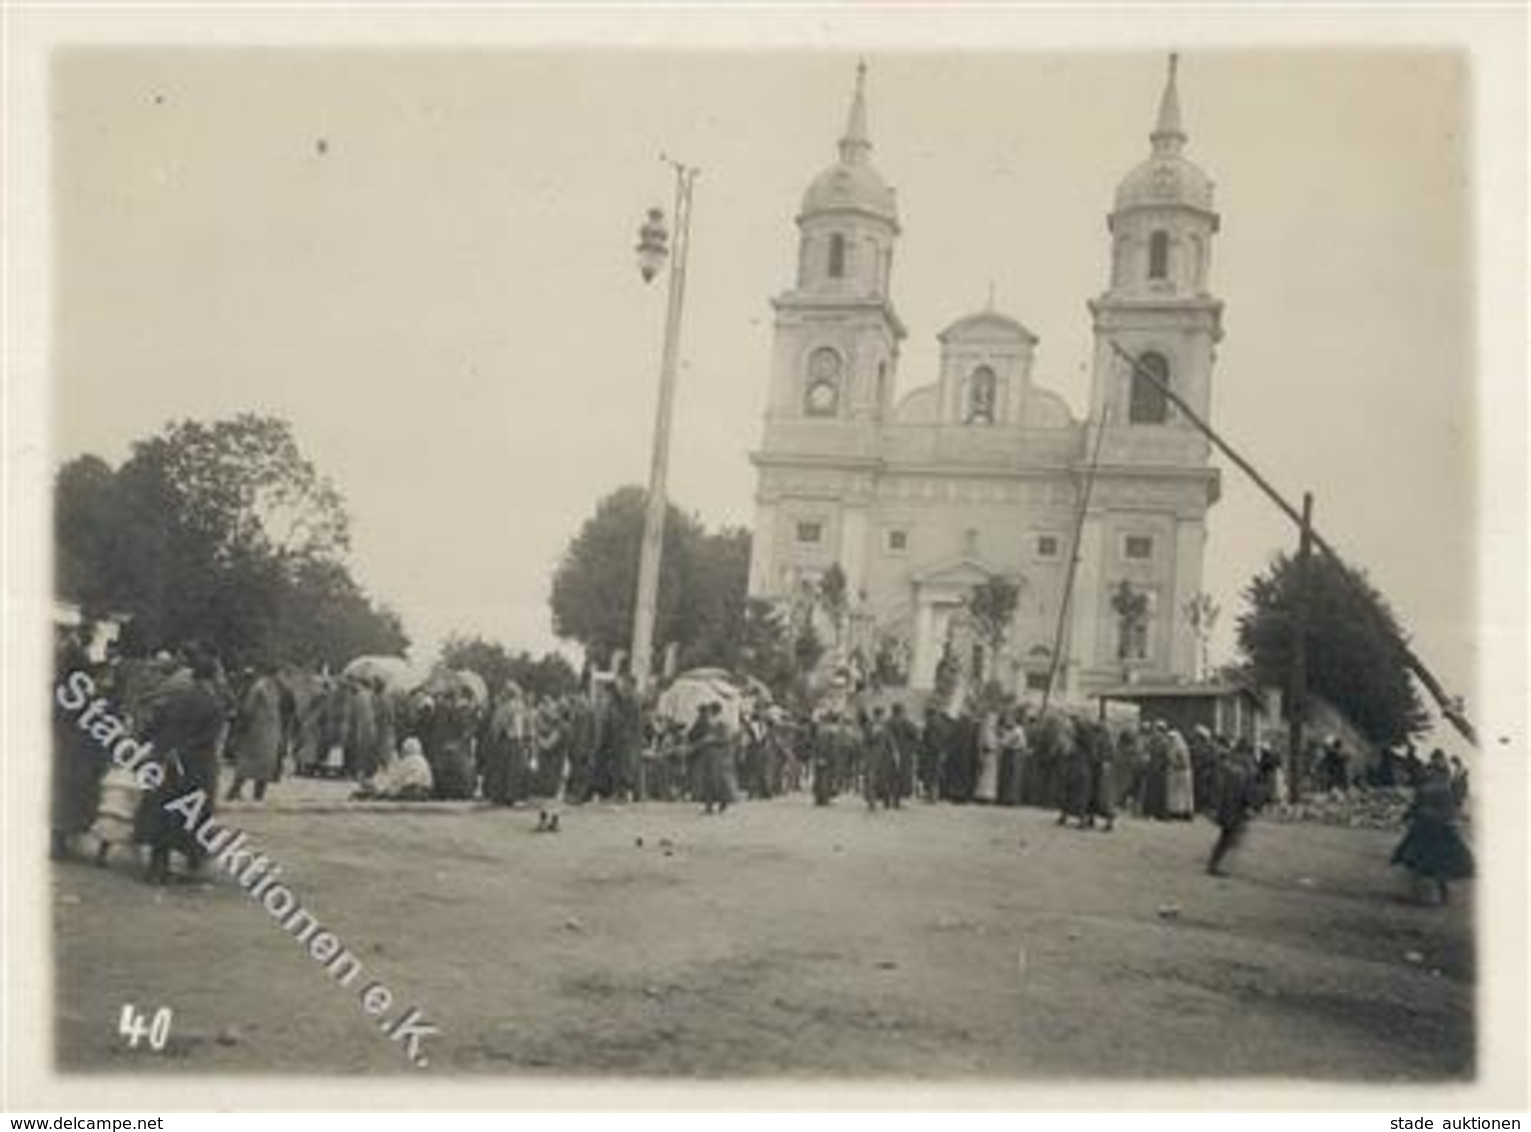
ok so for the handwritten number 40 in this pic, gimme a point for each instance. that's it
(133, 1026)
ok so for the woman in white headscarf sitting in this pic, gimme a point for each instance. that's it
(405, 779)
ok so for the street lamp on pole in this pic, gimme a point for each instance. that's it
(652, 253)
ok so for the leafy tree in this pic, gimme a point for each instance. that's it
(766, 645)
(992, 607)
(1353, 659)
(717, 599)
(596, 583)
(547, 675)
(779, 649)
(85, 527)
(244, 485)
(702, 584)
(325, 619)
(222, 532)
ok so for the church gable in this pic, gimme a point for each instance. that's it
(988, 326)
(960, 574)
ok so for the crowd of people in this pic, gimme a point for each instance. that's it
(455, 739)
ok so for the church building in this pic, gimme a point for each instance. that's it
(982, 473)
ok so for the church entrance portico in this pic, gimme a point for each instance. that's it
(941, 618)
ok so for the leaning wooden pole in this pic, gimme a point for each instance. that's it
(1068, 580)
(1297, 689)
(1446, 704)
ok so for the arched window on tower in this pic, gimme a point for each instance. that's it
(1159, 255)
(982, 387)
(1147, 403)
(836, 256)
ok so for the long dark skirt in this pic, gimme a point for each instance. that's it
(1155, 790)
(452, 770)
(717, 777)
(1103, 792)
(550, 766)
(1075, 786)
(1434, 849)
(78, 767)
(165, 830)
(494, 767)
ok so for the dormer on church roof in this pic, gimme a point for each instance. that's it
(987, 324)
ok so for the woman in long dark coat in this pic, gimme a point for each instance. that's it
(960, 771)
(1129, 771)
(1432, 849)
(1074, 779)
(497, 752)
(1103, 781)
(448, 741)
(78, 761)
(259, 735)
(1156, 776)
(1012, 759)
(933, 746)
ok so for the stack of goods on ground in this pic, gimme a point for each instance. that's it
(1374, 807)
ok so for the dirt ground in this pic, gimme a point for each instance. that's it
(780, 940)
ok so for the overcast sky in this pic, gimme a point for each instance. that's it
(441, 296)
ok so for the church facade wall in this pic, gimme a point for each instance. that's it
(981, 472)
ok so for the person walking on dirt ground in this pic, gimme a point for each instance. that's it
(881, 781)
(713, 752)
(1433, 849)
(1236, 798)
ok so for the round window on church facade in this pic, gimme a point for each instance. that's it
(823, 398)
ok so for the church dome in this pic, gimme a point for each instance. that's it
(851, 184)
(1166, 178)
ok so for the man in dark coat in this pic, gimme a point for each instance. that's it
(184, 727)
(906, 736)
(1237, 798)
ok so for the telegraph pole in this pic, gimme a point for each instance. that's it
(1450, 707)
(1297, 692)
(1059, 641)
(651, 253)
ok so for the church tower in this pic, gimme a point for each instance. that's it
(1158, 307)
(834, 355)
(1147, 523)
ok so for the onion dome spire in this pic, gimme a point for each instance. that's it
(1168, 137)
(855, 145)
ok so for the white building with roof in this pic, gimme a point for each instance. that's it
(981, 472)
